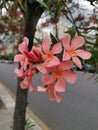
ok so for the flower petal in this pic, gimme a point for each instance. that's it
(47, 79)
(19, 72)
(42, 68)
(66, 56)
(46, 45)
(77, 62)
(58, 98)
(24, 84)
(70, 76)
(24, 45)
(41, 89)
(52, 69)
(31, 56)
(83, 54)
(37, 53)
(77, 42)
(66, 41)
(19, 57)
(55, 61)
(60, 85)
(55, 96)
(31, 87)
(57, 48)
(65, 65)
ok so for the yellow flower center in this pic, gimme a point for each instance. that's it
(72, 52)
(48, 56)
(58, 74)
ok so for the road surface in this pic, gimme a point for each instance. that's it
(77, 111)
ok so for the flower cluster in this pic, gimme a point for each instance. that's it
(54, 61)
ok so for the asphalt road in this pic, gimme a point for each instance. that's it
(77, 111)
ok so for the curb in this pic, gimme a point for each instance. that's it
(8, 99)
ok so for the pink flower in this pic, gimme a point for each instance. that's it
(72, 51)
(27, 57)
(34, 55)
(57, 74)
(26, 76)
(48, 54)
(22, 58)
(53, 94)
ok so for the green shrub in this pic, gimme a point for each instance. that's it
(94, 58)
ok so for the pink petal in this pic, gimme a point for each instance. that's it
(19, 72)
(83, 54)
(37, 53)
(60, 85)
(66, 42)
(19, 58)
(47, 79)
(31, 87)
(77, 62)
(36, 48)
(52, 96)
(55, 61)
(66, 56)
(52, 69)
(58, 98)
(65, 65)
(31, 56)
(57, 48)
(42, 68)
(46, 45)
(77, 42)
(24, 84)
(26, 40)
(41, 89)
(24, 45)
(24, 63)
(55, 96)
(70, 76)
(27, 82)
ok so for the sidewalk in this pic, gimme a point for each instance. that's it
(6, 112)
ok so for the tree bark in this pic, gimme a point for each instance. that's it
(34, 13)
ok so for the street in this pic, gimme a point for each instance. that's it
(77, 111)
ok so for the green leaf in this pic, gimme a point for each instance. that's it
(38, 40)
(4, 3)
(73, 31)
(43, 3)
(53, 39)
(29, 124)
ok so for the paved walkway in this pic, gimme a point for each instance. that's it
(6, 112)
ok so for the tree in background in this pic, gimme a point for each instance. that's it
(28, 15)
(11, 25)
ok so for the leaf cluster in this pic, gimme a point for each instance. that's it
(28, 125)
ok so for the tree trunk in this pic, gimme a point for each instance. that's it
(34, 13)
(20, 107)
